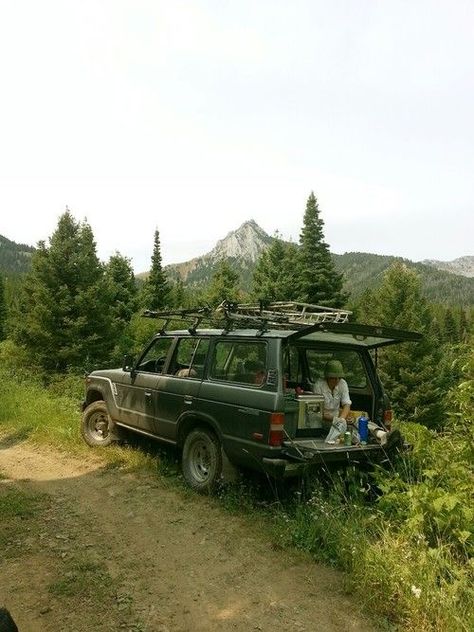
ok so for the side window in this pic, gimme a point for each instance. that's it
(154, 359)
(243, 362)
(355, 374)
(199, 357)
(189, 357)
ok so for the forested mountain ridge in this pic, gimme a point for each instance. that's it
(361, 270)
(241, 249)
(14, 258)
(365, 271)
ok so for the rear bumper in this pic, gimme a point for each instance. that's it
(296, 462)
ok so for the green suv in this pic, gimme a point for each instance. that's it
(235, 386)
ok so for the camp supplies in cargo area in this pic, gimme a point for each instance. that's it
(310, 414)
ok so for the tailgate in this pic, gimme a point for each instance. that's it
(317, 451)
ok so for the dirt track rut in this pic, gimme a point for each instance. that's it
(176, 562)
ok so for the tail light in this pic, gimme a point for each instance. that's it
(387, 418)
(276, 434)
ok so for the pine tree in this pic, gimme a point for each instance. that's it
(451, 327)
(65, 315)
(463, 325)
(3, 310)
(317, 279)
(224, 285)
(122, 288)
(156, 289)
(409, 370)
(273, 274)
(178, 294)
(362, 308)
(123, 295)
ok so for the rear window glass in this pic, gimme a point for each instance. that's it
(354, 370)
(244, 362)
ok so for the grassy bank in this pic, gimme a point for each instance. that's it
(407, 555)
(51, 416)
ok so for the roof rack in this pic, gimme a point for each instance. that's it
(288, 313)
(261, 316)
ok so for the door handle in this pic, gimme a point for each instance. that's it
(188, 400)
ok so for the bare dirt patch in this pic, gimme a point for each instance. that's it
(109, 550)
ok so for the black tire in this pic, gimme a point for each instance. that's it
(202, 460)
(97, 427)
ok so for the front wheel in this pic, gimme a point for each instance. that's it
(202, 460)
(97, 427)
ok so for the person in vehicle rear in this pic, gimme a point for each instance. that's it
(337, 405)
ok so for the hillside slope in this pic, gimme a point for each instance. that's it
(14, 258)
(442, 282)
(363, 270)
(463, 266)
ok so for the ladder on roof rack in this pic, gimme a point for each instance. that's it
(278, 315)
(286, 312)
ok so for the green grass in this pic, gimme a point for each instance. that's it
(18, 504)
(396, 574)
(18, 508)
(84, 578)
(42, 415)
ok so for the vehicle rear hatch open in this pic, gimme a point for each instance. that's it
(368, 336)
(309, 445)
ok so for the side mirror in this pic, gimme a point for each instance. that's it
(128, 363)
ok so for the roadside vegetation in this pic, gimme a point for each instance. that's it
(404, 535)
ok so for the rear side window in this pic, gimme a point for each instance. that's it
(354, 370)
(244, 362)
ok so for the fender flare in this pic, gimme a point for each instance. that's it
(190, 419)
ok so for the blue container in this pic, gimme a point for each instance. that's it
(363, 428)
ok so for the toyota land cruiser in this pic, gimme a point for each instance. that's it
(241, 389)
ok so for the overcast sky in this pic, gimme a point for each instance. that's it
(194, 116)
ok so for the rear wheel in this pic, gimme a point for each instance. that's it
(97, 427)
(202, 460)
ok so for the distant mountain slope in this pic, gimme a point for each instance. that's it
(241, 248)
(14, 258)
(463, 266)
(363, 270)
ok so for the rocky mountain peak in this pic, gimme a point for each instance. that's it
(463, 266)
(246, 242)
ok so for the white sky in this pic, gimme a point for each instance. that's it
(194, 116)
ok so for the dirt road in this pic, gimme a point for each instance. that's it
(108, 550)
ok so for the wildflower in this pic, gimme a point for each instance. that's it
(416, 591)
